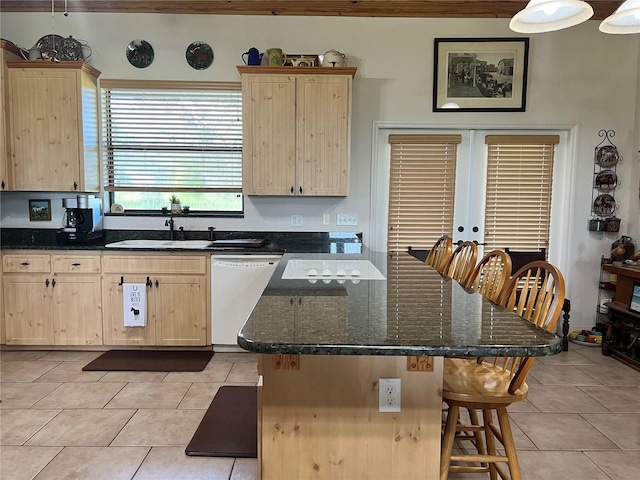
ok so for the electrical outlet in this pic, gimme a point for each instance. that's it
(347, 219)
(390, 395)
(296, 221)
(326, 219)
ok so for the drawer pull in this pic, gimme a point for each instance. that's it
(46, 282)
(24, 264)
(53, 282)
(149, 284)
(76, 264)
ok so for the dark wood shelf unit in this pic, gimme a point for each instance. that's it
(623, 325)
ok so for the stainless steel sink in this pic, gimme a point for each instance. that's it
(161, 244)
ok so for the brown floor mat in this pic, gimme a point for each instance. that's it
(230, 426)
(150, 361)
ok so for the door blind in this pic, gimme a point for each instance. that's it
(421, 190)
(172, 136)
(518, 195)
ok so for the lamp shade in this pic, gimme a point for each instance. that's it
(626, 19)
(549, 15)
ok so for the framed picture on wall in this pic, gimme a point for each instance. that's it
(39, 210)
(480, 74)
(634, 305)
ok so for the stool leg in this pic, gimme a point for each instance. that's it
(509, 445)
(487, 416)
(473, 415)
(447, 440)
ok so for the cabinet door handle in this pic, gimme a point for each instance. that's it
(291, 301)
(300, 189)
(75, 185)
(121, 281)
(149, 284)
(46, 282)
(291, 189)
(53, 282)
(2, 184)
(157, 283)
(299, 301)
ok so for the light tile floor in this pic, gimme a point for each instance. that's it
(580, 422)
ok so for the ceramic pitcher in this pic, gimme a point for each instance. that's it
(275, 57)
(253, 57)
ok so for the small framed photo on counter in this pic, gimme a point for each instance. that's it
(634, 305)
(39, 210)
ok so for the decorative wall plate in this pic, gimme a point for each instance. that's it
(606, 180)
(60, 48)
(140, 53)
(199, 55)
(604, 205)
(607, 156)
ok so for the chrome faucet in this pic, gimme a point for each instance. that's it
(170, 223)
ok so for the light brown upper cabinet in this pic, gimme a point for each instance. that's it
(53, 126)
(296, 130)
(8, 52)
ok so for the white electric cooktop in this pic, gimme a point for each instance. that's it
(297, 269)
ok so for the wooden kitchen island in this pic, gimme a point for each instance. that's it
(324, 344)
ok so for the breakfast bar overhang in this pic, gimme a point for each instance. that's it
(326, 341)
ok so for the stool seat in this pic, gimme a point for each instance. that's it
(477, 385)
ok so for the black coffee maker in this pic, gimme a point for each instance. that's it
(82, 221)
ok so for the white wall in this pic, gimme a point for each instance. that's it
(577, 77)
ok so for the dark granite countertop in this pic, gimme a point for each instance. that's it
(415, 311)
(276, 242)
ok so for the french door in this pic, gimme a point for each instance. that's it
(488, 194)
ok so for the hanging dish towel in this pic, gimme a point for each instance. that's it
(134, 300)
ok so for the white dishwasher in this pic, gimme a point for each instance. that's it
(237, 282)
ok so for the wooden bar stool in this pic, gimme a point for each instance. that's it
(536, 292)
(440, 253)
(461, 263)
(491, 274)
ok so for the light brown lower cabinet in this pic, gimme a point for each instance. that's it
(52, 299)
(64, 298)
(177, 299)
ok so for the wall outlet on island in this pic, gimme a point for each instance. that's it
(347, 219)
(390, 395)
(326, 219)
(296, 221)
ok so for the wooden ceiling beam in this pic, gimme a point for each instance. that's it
(346, 8)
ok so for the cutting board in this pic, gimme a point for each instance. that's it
(240, 242)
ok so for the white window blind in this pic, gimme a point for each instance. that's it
(421, 190)
(172, 136)
(518, 195)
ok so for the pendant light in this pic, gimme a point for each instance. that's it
(549, 15)
(626, 19)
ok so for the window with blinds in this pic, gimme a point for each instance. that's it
(421, 190)
(518, 193)
(179, 137)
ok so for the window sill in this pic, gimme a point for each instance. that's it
(169, 214)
